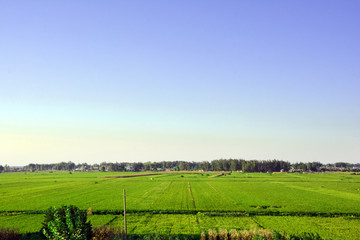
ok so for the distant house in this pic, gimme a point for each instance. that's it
(130, 168)
(82, 168)
(95, 169)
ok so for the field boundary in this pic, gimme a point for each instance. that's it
(131, 175)
(163, 173)
(197, 212)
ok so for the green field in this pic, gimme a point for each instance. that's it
(328, 204)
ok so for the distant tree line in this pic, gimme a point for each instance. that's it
(215, 165)
(62, 166)
(4, 168)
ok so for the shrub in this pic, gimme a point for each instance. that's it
(265, 233)
(89, 211)
(278, 236)
(106, 232)
(66, 222)
(223, 234)
(255, 234)
(202, 236)
(9, 234)
(245, 235)
(212, 234)
(234, 235)
(258, 237)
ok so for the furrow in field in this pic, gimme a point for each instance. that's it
(223, 195)
(192, 197)
(162, 194)
(175, 196)
(149, 195)
(209, 198)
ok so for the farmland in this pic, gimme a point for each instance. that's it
(328, 204)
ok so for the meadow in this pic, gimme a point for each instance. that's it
(187, 203)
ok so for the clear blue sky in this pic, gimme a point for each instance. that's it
(93, 81)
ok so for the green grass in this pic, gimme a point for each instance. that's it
(256, 193)
(24, 223)
(334, 228)
(168, 224)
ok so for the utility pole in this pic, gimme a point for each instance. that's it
(125, 215)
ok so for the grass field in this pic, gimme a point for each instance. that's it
(328, 204)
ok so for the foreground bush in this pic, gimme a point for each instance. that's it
(66, 222)
(254, 234)
(9, 234)
(107, 233)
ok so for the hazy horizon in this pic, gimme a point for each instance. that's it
(99, 163)
(91, 81)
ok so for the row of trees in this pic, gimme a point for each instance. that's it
(62, 166)
(4, 168)
(215, 165)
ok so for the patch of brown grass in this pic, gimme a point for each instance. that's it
(9, 234)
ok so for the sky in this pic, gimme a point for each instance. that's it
(93, 81)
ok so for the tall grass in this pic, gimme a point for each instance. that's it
(9, 234)
(255, 234)
(107, 233)
(241, 235)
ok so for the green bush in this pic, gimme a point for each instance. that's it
(66, 222)
(278, 236)
(32, 236)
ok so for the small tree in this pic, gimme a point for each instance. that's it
(66, 222)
